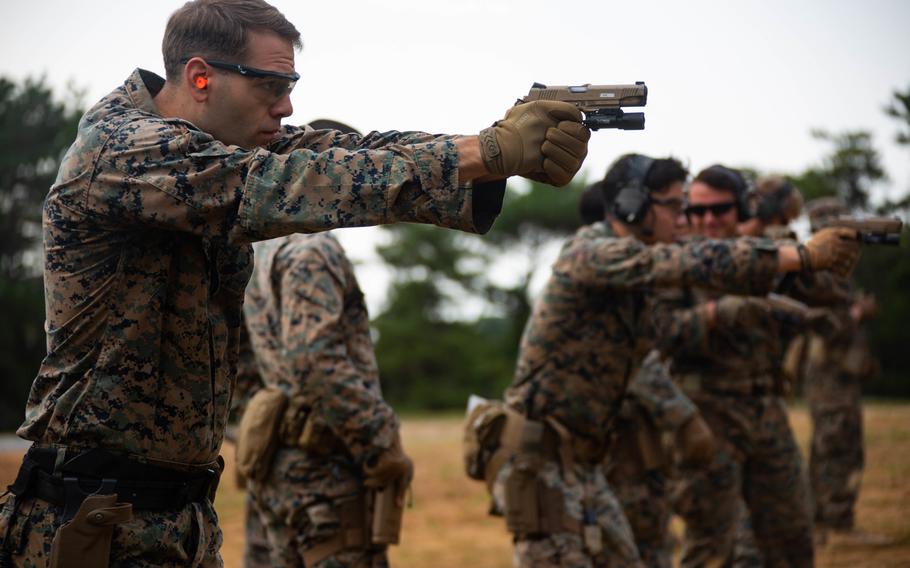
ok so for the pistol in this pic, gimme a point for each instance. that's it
(872, 230)
(601, 104)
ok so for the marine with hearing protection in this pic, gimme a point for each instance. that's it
(733, 374)
(147, 234)
(540, 450)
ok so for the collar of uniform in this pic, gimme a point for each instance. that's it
(141, 87)
(599, 229)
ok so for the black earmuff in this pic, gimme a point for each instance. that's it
(633, 200)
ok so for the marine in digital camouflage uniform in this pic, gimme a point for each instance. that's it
(147, 234)
(310, 331)
(733, 376)
(640, 460)
(835, 370)
(590, 328)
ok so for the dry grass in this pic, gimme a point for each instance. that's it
(448, 524)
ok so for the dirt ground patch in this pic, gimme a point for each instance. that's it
(448, 525)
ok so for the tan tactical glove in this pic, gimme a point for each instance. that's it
(695, 443)
(834, 248)
(543, 140)
(392, 466)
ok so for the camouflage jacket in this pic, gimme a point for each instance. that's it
(594, 321)
(750, 336)
(310, 330)
(146, 234)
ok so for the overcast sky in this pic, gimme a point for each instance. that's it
(739, 82)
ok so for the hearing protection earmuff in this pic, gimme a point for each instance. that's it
(633, 200)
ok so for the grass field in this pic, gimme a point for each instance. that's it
(448, 525)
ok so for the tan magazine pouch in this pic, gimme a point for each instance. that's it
(85, 541)
(257, 436)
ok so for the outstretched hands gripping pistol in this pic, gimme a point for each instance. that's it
(601, 104)
(871, 230)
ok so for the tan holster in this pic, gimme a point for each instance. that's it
(353, 520)
(85, 541)
(387, 514)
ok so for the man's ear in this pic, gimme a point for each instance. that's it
(196, 79)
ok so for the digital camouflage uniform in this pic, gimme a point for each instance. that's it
(733, 377)
(146, 235)
(640, 461)
(835, 372)
(588, 332)
(309, 328)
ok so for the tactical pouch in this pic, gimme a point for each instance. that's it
(85, 541)
(522, 510)
(318, 439)
(492, 434)
(387, 514)
(352, 531)
(481, 436)
(257, 436)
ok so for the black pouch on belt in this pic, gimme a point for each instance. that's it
(85, 541)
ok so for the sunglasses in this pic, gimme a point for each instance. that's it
(716, 209)
(275, 83)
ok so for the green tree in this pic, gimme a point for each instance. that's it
(429, 355)
(899, 109)
(849, 171)
(885, 272)
(428, 358)
(529, 222)
(35, 130)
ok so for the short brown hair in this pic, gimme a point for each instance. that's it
(217, 29)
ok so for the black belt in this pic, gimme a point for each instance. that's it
(82, 473)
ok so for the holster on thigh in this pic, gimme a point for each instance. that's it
(85, 541)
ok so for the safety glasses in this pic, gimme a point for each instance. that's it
(275, 83)
(716, 209)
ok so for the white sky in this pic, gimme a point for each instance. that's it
(739, 82)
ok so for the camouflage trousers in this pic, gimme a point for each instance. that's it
(757, 463)
(589, 501)
(296, 508)
(646, 504)
(837, 459)
(189, 537)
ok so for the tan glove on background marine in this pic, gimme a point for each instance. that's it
(541, 140)
(835, 249)
(390, 467)
(695, 443)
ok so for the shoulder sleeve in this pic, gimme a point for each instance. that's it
(315, 343)
(165, 174)
(746, 266)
